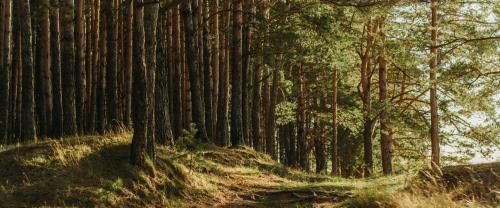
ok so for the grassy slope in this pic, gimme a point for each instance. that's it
(93, 171)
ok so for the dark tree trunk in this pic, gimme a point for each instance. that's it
(88, 65)
(128, 58)
(162, 116)
(334, 146)
(223, 105)
(57, 113)
(236, 76)
(190, 41)
(151, 18)
(301, 119)
(68, 67)
(177, 73)
(214, 32)
(385, 140)
(368, 122)
(101, 73)
(207, 69)
(138, 152)
(5, 67)
(28, 131)
(256, 105)
(246, 75)
(111, 66)
(80, 66)
(271, 120)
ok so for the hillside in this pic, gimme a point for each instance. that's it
(94, 171)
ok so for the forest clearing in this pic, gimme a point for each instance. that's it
(249, 103)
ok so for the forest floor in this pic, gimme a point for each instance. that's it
(93, 171)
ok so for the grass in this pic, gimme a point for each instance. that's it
(94, 171)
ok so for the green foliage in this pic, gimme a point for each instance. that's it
(188, 140)
(110, 190)
(285, 113)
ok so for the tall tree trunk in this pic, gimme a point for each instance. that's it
(128, 63)
(433, 95)
(68, 67)
(138, 152)
(256, 104)
(92, 121)
(151, 18)
(162, 105)
(335, 159)
(5, 72)
(88, 64)
(368, 122)
(80, 66)
(301, 120)
(207, 69)
(223, 105)
(190, 44)
(45, 88)
(55, 47)
(214, 32)
(111, 66)
(385, 140)
(246, 76)
(271, 120)
(28, 131)
(177, 73)
(236, 76)
(101, 73)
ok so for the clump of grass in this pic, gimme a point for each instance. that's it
(370, 198)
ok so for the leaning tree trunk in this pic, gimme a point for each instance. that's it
(140, 106)
(68, 67)
(28, 113)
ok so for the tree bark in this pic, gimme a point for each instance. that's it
(55, 47)
(28, 131)
(151, 18)
(5, 72)
(214, 32)
(192, 62)
(223, 105)
(335, 159)
(236, 76)
(162, 105)
(433, 90)
(111, 66)
(101, 71)
(385, 140)
(301, 126)
(140, 113)
(128, 58)
(207, 69)
(68, 67)
(80, 87)
(271, 120)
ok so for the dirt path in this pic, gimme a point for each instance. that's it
(271, 191)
